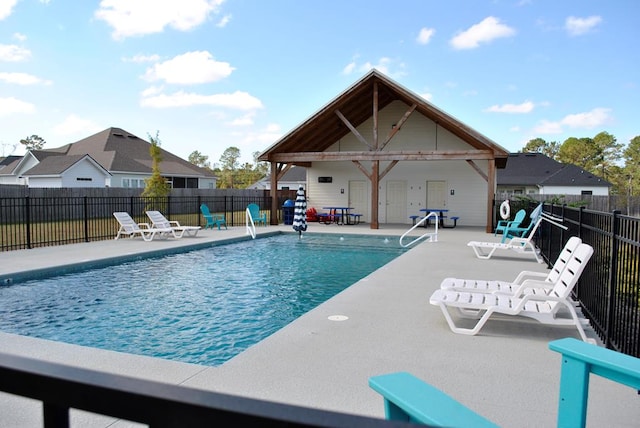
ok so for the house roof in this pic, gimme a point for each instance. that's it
(536, 169)
(117, 150)
(56, 165)
(356, 104)
(8, 164)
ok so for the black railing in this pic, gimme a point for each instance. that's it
(61, 388)
(30, 222)
(609, 289)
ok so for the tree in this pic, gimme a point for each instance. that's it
(33, 142)
(582, 152)
(631, 170)
(538, 145)
(609, 153)
(199, 159)
(229, 165)
(156, 185)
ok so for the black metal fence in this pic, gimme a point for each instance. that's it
(61, 388)
(30, 222)
(609, 289)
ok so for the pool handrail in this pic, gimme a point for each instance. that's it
(251, 227)
(433, 236)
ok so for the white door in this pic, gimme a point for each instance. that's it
(396, 202)
(358, 199)
(436, 194)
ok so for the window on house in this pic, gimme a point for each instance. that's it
(586, 192)
(84, 179)
(126, 182)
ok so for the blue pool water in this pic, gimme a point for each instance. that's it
(203, 306)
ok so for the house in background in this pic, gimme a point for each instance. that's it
(389, 153)
(535, 173)
(292, 179)
(112, 157)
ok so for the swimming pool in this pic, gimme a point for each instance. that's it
(203, 306)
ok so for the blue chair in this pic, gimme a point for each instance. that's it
(512, 231)
(258, 218)
(212, 219)
(504, 224)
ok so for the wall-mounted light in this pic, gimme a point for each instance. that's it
(452, 192)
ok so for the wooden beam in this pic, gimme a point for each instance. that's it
(491, 192)
(283, 171)
(375, 115)
(375, 194)
(382, 156)
(478, 170)
(353, 130)
(399, 124)
(275, 168)
(363, 169)
(387, 169)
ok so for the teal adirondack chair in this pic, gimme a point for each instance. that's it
(504, 224)
(212, 219)
(511, 231)
(258, 218)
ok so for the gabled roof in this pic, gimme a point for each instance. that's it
(536, 169)
(8, 164)
(117, 150)
(325, 127)
(56, 165)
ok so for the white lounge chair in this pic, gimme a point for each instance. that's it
(528, 282)
(128, 227)
(159, 221)
(522, 245)
(541, 307)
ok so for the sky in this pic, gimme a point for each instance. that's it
(207, 75)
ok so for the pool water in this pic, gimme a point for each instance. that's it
(203, 306)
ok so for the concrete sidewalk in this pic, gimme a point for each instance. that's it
(506, 373)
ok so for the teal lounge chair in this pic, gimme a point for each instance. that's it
(512, 231)
(212, 219)
(504, 224)
(258, 218)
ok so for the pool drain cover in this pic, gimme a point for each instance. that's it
(338, 318)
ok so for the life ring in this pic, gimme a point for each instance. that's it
(505, 210)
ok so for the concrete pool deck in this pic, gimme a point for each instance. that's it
(506, 373)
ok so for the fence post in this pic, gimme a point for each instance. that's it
(86, 219)
(580, 222)
(612, 281)
(27, 206)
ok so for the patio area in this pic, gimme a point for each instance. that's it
(506, 373)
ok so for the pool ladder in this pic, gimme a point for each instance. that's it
(432, 236)
(251, 227)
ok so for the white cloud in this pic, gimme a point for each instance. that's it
(13, 105)
(6, 7)
(224, 21)
(245, 120)
(237, 100)
(13, 53)
(142, 58)
(587, 120)
(427, 96)
(591, 119)
(425, 35)
(190, 68)
(75, 125)
(579, 26)
(487, 30)
(384, 65)
(547, 127)
(19, 36)
(134, 18)
(22, 79)
(525, 107)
